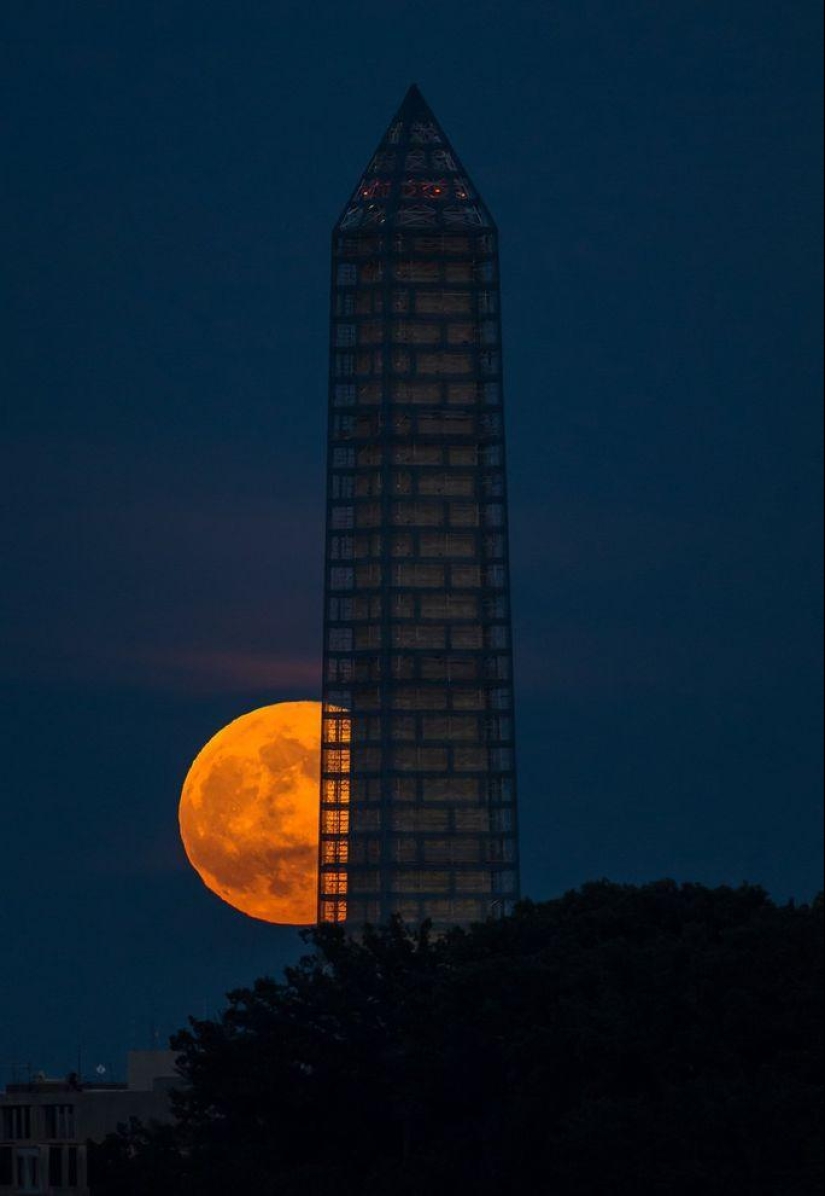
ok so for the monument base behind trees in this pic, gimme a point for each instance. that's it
(658, 1040)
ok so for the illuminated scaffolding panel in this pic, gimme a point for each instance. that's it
(418, 788)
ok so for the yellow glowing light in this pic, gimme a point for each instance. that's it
(249, 813)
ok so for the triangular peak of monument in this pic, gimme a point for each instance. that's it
(415, 178)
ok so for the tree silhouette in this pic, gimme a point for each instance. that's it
(650, 1040)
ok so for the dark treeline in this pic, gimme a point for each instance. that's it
(661, 1040)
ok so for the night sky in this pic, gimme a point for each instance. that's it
(171, 175)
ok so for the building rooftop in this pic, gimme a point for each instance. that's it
(146, 1072)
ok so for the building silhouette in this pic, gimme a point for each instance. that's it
(46, 1124)
(418, 797)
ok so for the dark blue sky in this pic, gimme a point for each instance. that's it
(172, 172)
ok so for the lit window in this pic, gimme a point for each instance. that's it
(337, 760)
(334, 851)
(334, 882)
(337, 791)
(337, 729)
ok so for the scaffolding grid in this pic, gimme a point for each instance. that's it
(418, 785)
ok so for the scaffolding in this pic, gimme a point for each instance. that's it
(418, 786)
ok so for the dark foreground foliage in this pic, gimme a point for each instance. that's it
(655, 1041)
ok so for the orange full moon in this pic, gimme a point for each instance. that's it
(249, 813)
